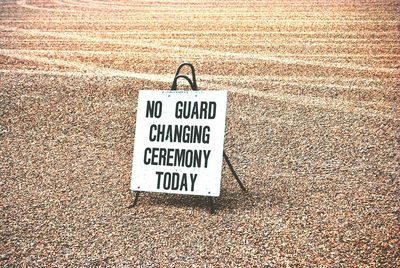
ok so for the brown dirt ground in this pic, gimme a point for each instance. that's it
(312, 130)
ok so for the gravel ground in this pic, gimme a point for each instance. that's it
(312, 130)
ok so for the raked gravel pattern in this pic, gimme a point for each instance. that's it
(312, 130)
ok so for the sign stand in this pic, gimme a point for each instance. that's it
(193, 84)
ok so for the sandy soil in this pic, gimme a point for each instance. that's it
(312, 130)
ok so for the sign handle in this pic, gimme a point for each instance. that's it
(174, 83)
(194, 86)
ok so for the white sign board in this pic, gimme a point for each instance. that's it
(179, 142)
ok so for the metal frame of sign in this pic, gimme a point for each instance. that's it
(193, 84)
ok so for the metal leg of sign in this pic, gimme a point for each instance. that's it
(134, 200)
(234, 173)
(211, 202)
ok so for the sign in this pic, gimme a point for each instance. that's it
(179, 142)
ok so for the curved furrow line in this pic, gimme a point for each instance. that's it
(173, 55)
(268, 19)
(302, 100)
(207, 52)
